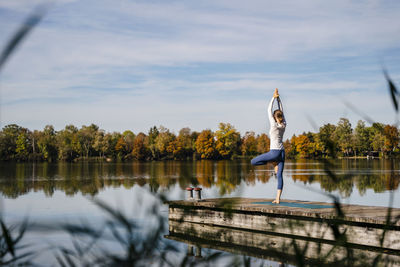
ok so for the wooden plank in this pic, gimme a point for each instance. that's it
(355, 213)
(274, 246)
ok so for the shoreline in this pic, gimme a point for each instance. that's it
(114, 160)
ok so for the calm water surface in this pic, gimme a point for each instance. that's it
(62, 192)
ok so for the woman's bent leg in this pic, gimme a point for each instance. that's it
(271, 155)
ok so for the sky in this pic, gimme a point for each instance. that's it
(134, 64)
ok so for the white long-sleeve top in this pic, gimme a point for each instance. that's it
(276, 130)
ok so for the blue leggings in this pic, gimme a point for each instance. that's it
(272, 155)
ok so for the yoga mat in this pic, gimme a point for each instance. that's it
(296, 205)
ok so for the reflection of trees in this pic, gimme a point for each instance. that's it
(187, 174)
(89, 178)
(381, 175)
(228, 176)
(301, 173)
(205, 172)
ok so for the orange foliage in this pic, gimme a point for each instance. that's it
(303, 146)
(391, 137)
(263, 143)
(249, 144)
(205, 145)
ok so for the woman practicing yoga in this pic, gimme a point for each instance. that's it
(276, 153)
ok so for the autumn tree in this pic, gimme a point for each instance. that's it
(120, 147)
(140, 149)
(124, 145)
(263, 143)
(162, 141)
(249, 144)
(290, 149)
(303, 146)
(182, 146)
(228, 140)
(102, 143)
(391, 138)
(205, 145)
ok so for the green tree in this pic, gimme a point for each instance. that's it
(162, 141)
(315, 147)
(325, 138)
(129, 138)
(362, 142)
(343, 135)
(47, 143)
(152, 135)
(378, 141)
(86, 136)
(22, 146)
(8, 141)
(193, 138)
(228, 140)
(68, 143)
(103, 144)
(376, 137)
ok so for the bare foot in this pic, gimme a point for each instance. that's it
(276, 201)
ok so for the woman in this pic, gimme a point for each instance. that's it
(277, 152)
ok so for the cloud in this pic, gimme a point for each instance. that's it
(133, 64)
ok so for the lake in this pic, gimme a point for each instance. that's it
(49, 194)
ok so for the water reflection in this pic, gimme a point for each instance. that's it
(89, 178)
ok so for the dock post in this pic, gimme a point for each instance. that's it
(198, 193)
(189, 194)
(198, 252)
(190, 250)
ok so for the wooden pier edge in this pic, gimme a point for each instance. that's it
(272, 246)
(241, 213)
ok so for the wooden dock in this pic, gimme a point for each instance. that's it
(259, 225)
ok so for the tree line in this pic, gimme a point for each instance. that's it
(159, 143)
(342, 140)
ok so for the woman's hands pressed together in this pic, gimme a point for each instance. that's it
(276, 94)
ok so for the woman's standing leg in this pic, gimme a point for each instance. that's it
(281, 165)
